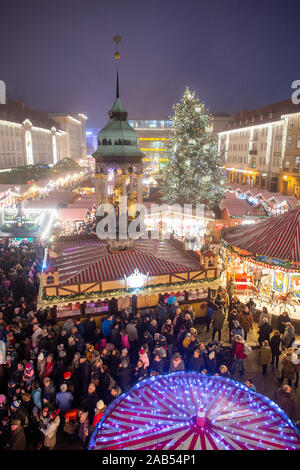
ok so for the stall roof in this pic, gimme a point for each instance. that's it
(90, 260)
(241, 208)
(277, 237)
(74, 213)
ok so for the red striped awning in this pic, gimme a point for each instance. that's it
(115, 266)
(278, 237)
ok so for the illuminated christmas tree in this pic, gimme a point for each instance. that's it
(193, 172)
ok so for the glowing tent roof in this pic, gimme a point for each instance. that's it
(277, 237)
(190, 411)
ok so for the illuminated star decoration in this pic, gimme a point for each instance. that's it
(191, 411)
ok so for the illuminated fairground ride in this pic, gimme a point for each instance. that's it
(265, 259)
(191, 411)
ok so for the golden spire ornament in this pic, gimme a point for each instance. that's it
(117, 39)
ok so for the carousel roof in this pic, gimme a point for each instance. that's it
(277, 237)
(191, 411)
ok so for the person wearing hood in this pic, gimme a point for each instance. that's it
(288, 336)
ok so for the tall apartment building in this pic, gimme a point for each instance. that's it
(153, 135)
(29, 136)
(261, 148)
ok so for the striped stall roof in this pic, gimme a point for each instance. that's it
(114, 266)
(277, 237)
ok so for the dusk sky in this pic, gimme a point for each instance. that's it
(58, 55)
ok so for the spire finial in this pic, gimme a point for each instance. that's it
(117, 39)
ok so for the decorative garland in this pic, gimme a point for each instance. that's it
(123, 292)
(283, 266)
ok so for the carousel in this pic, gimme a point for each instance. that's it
(264, 261)
(208, 413)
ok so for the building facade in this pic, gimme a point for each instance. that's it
(153, 134)
(75, 128)
(261, 148)
(30, 136)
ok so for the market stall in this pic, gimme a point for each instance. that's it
(267, 257)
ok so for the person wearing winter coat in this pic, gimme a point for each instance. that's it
(289, 369)
(123, 374)
(239, 355)
(288, 336)
(264, 331)
(211, 362)
(48, 390)
(275, 348)
(176, 363)
(64, 399)
(237, 330)
(196, 362)
(124, 340)
(265, 356)
(99, 412)
(157, 365)
(84, 373)
(223, 371)
(49, 367)
(36, 395)
(232, 317)
(285, 400)
(83, 427)
(17, 436)
(282, 320)
(245, 319)
(106, 326)
(217, 321)
(140, 372)
(143, 356)
(51, 430)
(211, 307)
(132, 332)
(264, 314)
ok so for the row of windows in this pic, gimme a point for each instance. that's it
(291, 122)
(289, 142)
(8, 159)
(11, 146)
(10, 130)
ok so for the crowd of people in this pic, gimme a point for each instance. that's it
(59, 379)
